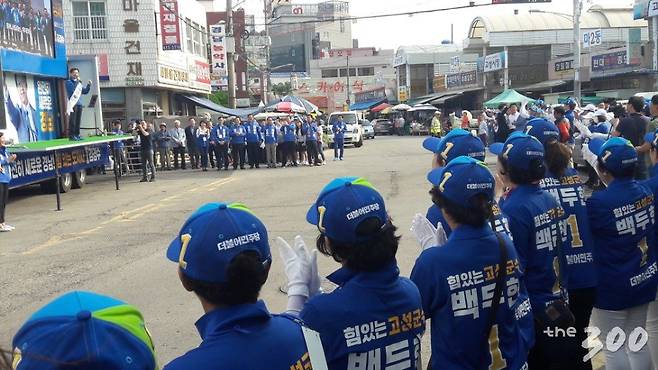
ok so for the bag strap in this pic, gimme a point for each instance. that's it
(500, 282)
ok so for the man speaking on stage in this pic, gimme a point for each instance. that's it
(74, 91)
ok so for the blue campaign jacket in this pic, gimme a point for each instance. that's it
(70, 89)
(535, 219)
(289, 133)
(219, 134)
(371, 316)
(271, 134)
(457, 283)
(339, 128)
(254, 134)
(622, 218)
(5, 175)
(310, 130)
(579, 244)
(434, 216)
(238, 135)
(245, 337)
(202, 141)
(118, 144)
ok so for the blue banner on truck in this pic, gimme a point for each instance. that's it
(33, 167)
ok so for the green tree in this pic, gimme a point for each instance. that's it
(220, 97)
(282, 89)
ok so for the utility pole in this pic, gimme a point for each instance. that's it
(348, 82)
(230, 62)
(577, 8)
(268, 43)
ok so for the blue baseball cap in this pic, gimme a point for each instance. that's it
(570, 101)
(519, 150)
(342, 205)
(652, 138)
(456, 143)
(213, 236)
(463, 178)
(617, 154)
(84, 329)
(542, 129)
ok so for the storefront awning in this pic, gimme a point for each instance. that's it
(445, 98)
(365, 105)
(546, 85)
(201, 102)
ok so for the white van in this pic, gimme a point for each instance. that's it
(354, 134)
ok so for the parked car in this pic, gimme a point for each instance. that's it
(368, 129)
(382, 126)
(354, 134)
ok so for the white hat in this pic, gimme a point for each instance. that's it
(601, 112)
(590, 108)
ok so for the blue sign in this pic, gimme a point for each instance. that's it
(33, 167)
(608, 61)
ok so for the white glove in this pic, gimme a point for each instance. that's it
(584, 130)
(427, 235)
(300, 267)
(590, 157)
(262, 145)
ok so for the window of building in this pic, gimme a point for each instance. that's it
(89, 20)
(326, 73)
(204, 43)
(367, 71)
(343, 72)
(342, 26)
(189, 35)
(197, 45)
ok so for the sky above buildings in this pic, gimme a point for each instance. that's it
(423, 29)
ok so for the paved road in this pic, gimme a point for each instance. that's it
(114, 242)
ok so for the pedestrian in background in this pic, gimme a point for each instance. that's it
(310, 131)
(223, 256)
(146, 151)
(203, 143)
(6, 159)
(290, 142)
(633, 128)
(119, 150)
(254, 139)
(190, 137)
(271, 136)
(483, 128)
(501, 127)
(219, 136)
(238, 143)
(211, 145)
(163, 140)
(338, 129)
(301, 142)
(84, 331)
(179, 143)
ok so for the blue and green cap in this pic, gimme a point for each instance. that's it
(616, 154)
(214, 235)
(520, 149)
(85, 331)
(456, 143)
(462, 179)
(342, 205)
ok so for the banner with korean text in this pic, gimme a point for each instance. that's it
(218, 70)
(170, 25)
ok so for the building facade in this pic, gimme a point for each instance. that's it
(148, 52)
(299, 32)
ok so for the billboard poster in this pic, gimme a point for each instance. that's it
(492, 62)
(27, 25)
(30, 108)
(170, 25)
(218, 71)
(640, 9)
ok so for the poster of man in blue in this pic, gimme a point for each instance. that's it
(29, 108)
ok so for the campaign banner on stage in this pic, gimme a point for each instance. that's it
(170, 25)
(30, 108)
(33, 167)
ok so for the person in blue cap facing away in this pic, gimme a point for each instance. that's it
(536, 222)
(461, 294)
(374, 319)
(623, 222)
(84, 331)
(456, 143)
(564, 183)
(223, 256)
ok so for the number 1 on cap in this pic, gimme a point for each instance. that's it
(185, 240)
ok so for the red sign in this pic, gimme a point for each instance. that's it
(170, 25)
(202, 72)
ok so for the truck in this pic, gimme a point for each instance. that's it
(33, 70)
